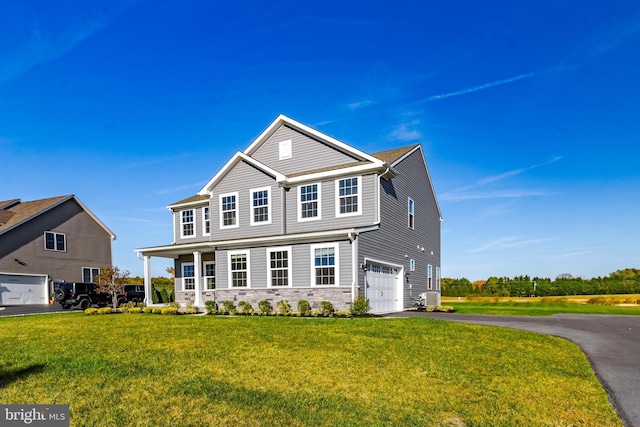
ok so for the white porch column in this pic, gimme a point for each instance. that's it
(197, 272)
(147, 280)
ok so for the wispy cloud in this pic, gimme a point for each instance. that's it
(465, 193)
(359, 104)
(510, 242)
(573, 254)
(179, 188)
(486, 85)
(406, 132)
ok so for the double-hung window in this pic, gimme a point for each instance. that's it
(410, 213)
(187, 223)
(229, 210)
(55, 241)
(210, 275)
(324, 258)
(279, 266)
(188, 277)
(206, 221)
(309, 202)
(88, 273)
(239, 270)
(348, 200)
(260, 206)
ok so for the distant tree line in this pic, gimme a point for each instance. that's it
(625, 281)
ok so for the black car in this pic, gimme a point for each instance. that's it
(82, 295)
(133, 293)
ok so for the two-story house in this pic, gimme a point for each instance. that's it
(301, 215)
(45, 241)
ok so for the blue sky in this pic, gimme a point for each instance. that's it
(529, 114)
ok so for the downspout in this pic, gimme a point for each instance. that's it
(283, 209)
(354, 265)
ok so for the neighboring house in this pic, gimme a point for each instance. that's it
(46, 241)
(301, 215)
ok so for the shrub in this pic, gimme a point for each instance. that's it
(135, 310)
(343, 314)
(164, 297)
(173, 304)
(265, 307)
(228, 307)
(105, 310)
(360, 306)
(147, 310)
(91, 310)
(210, 307)
(326, 309)
(245, 307)
(304, 308)
(444, 308)
(284, 307)
(157, 310)
(191, 308)
(170, 311)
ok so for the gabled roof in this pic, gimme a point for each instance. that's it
(391, 156)
(193, 200)
(16, 214)
(284, 120)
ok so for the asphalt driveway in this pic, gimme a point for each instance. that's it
(22, 310)
(611, 343)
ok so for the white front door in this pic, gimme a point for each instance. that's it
(18, 290)
(383, 288)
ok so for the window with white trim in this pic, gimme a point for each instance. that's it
(88, 273)
(437, 278)
(260, 206)
(429, 277)
(325, 265)
(412, 265)
(410, 213)
(279, 260)
(309, 202)
(188, 276)
(229, 210)
(210, 275)
(206, 221)
(55, 241)
(187, 223)
(239, 270)
(348, 196)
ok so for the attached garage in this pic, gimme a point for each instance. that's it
(383, 287)
(19, 289)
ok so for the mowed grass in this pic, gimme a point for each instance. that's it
(539, 308)
(150, 370)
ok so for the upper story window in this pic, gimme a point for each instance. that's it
(206, 221)
(55, 241)
(429, 276)
(309, 202)
(187, 223)
(412, 265)
(88, 273)
(410, 213)
(260, 206)
(348, 196)
(325, 264)
(437, 278)
(229, 210)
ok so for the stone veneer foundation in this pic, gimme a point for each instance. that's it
(339, 297)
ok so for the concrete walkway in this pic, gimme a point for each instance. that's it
(611, 343)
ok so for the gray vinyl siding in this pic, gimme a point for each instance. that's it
(198, 226)
(328, 220)
(394, 239)
(242, 179)
(307, 153)
(87, 244)
(300, 267)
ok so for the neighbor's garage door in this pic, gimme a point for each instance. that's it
(382, 288)
(19, 289)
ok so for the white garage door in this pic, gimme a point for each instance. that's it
(383, 288)
(18, 289)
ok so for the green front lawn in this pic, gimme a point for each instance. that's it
(540, 308)
(150, 370)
